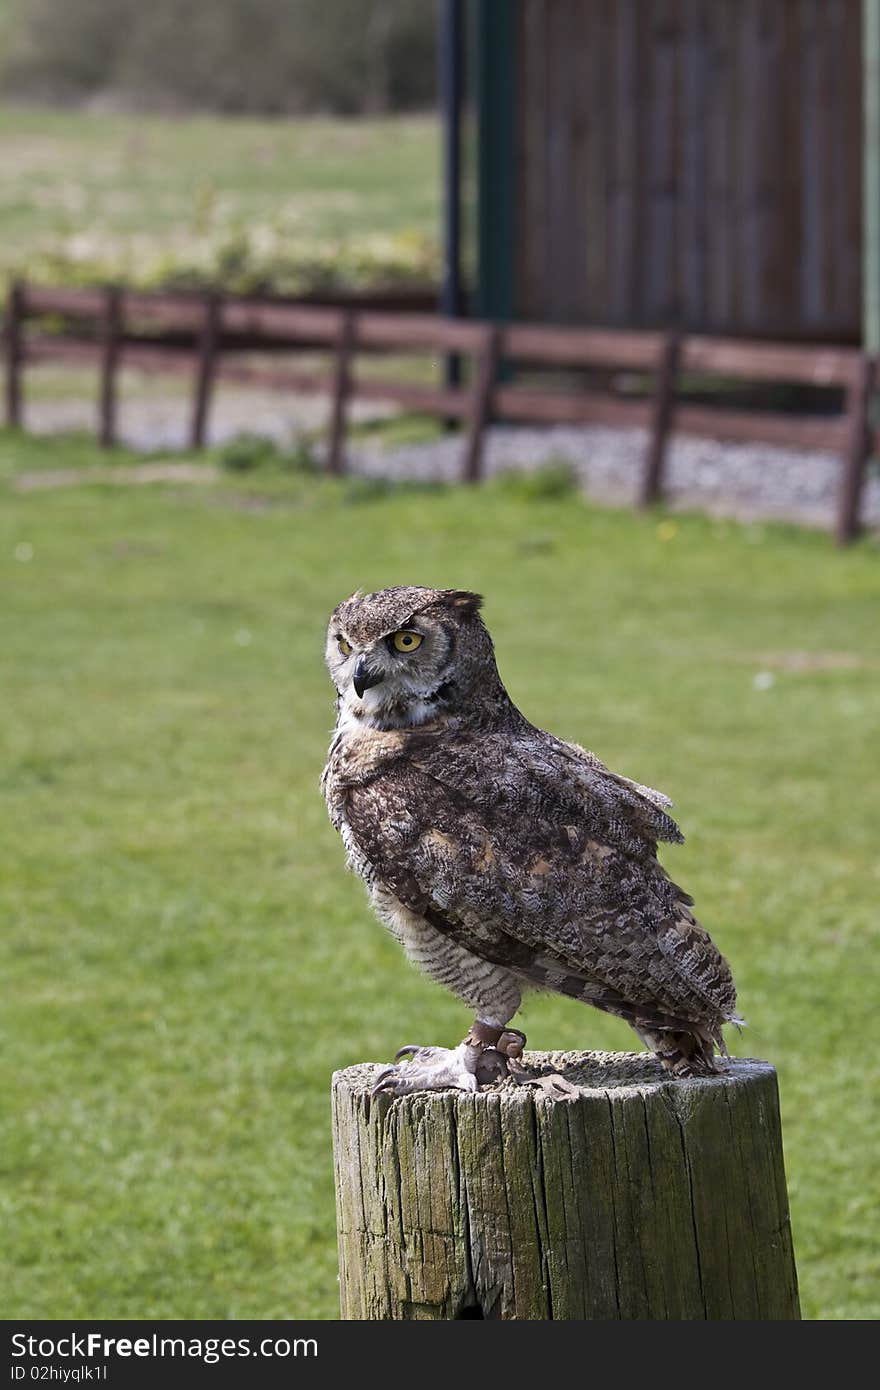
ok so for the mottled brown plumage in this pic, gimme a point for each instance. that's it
(504, 858)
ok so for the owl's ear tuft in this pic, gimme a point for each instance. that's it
(462, 600)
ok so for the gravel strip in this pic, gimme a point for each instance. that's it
(745, 481)
(155, 423)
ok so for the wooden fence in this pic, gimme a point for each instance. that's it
(207, 335)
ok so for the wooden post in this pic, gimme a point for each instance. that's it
(661, 421)
(858, 404)
(111, 331)
(345, 344)
(642, 1197)
(481, 405)
(207, 362)
(13, 352)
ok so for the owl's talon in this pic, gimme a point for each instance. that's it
(464, 1068)
(512, 1043)
(407, 1050)
(492, 1065)
(383, 1081)
(518, 1074)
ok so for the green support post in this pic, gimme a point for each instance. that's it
(495, 75)
(871, 197)
(871, 176)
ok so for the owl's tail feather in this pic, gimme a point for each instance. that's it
(681, 1053)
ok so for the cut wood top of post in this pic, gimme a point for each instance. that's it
(587, 1073)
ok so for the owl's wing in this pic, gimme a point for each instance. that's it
(556, 881)
(635, 815)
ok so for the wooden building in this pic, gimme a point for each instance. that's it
(678, 163)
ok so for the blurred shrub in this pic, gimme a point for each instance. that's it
(555, 479)
(248, 452)
(260, 56)
(240, 260)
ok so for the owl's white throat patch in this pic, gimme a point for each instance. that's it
(375, 711)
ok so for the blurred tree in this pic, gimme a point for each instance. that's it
(64, 50)
(266, 56)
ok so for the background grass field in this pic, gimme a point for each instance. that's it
(285, 204)
(188, 959)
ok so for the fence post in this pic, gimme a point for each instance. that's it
(858, 401)
(481, 404)
(661, 421)
(342, 380)
(13, 352)
(111, 332)
(206, 367)
(642, 1197)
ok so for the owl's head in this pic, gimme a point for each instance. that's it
(403, 656)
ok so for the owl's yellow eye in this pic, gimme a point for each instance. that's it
(344, 647)
(407, 641)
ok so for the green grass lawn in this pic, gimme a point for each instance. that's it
(150, 199)
(188, 960)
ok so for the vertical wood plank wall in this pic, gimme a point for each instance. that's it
(690, 163)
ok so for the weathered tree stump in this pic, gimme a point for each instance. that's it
(638, 1196)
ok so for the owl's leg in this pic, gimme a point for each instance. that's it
(484, 1056)
(491, 990)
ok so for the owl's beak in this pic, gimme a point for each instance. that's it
(363, 677)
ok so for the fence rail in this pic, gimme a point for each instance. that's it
(207, 334)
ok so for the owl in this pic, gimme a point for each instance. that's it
(504, 859)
